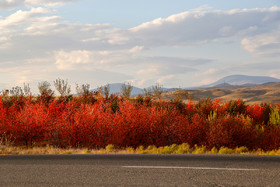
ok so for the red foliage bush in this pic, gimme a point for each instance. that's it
(269, 139)
(231, 132)
(259, 113)
(29, 124)
(141, 125)
(192, 132)
(94, 122)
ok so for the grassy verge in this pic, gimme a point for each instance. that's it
(110, 149)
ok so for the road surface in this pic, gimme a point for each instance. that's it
(139, 170)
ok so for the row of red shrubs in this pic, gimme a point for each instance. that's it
(96, 122)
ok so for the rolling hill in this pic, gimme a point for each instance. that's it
(264, 93)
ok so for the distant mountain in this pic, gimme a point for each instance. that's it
(243, 80)
(222, 85)
(115, 88)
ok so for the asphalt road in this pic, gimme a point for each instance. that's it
(139, 170)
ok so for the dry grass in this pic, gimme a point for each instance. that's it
(110, 149)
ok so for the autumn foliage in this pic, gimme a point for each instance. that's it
(94, 121)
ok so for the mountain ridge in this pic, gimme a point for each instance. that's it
(245, 80)
(115, 88)
(228, 81)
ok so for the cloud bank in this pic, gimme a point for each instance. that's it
(35, 43)
(198, 27)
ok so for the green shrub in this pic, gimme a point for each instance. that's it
(240, 150)
(183, 149)
(274, 117)
(141, 150)
(225, 150)
(214, 150)
(110, 148)
(199, 150)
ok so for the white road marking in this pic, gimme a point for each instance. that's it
(201, 168)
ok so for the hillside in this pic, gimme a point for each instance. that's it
(265, 93)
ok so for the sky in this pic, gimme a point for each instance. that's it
(179, 43)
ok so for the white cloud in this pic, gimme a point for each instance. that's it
(263, 44)
(210, 71)
(11, 4)
(48, 2)
(139, 83)
(66, 60)
(23, 17)
(153, 71)
(90, 59)
(164, 79)
(136, 49)
(204, 82)
(196, 27)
